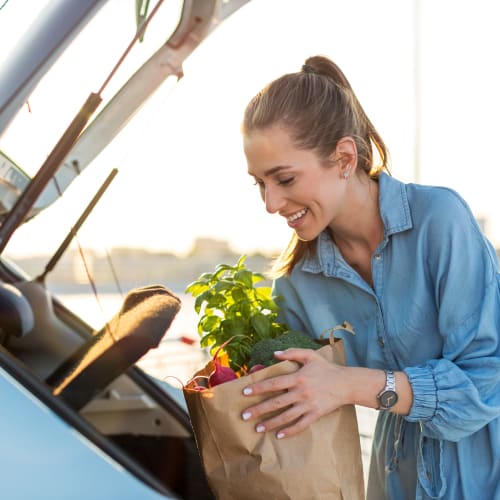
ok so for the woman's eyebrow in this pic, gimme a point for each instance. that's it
(276, 169)
(272, 170)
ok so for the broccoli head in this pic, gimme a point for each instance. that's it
(262, 351)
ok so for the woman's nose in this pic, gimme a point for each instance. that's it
(273, 200)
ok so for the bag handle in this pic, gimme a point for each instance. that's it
(345, 325)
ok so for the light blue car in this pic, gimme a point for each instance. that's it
(79, 418)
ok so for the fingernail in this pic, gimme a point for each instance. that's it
(246, 415)
(280, 435)
(260, 428)
(247, 391)
(278, 352)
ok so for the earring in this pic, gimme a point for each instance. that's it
(346, 174)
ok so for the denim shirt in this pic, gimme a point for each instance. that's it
(434, 313)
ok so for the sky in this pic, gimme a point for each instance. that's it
(182, 168)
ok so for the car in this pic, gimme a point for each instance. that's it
(80, 418)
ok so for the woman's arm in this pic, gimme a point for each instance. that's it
(458, 392)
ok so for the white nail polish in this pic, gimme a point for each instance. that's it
(280, 435)
(247, 391)
(260, 428)
(246, 415)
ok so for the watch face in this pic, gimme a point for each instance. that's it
(388, 399)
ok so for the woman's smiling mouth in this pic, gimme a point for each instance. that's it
(296, 216)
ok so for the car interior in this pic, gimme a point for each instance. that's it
(90, 379)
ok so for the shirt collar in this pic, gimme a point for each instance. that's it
(394, 207)
(396, 216)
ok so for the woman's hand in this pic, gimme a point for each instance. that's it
(314, 390)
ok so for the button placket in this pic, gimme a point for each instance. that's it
(377, 267)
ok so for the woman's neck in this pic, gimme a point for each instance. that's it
(360, 226)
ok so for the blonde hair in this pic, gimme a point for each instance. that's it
(317, 107)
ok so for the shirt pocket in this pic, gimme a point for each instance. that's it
(416, 333)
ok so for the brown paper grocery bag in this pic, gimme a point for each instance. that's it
(322, 462)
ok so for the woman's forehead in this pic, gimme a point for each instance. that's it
(269, 153)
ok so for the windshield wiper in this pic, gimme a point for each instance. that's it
(74, 229)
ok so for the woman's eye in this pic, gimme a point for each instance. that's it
(285, 182)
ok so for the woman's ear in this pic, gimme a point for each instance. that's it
(347, 153)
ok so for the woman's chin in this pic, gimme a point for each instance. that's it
(306, 235)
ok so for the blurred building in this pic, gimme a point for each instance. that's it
(210, 248)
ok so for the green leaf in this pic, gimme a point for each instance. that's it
(234, 326)
(242, 308)
(223, 284)
(269, 305)
(215, 300)
(264, 292)
(257, 277)
(221, 269)
(207, 340)
(210, 323)
(238, 294)
(244, 276)
(198, 303)
(261, 324)
(194, 287)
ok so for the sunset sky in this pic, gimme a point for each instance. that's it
(182, 170)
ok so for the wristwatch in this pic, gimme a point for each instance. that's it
(388, 397)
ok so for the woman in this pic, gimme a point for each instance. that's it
(406, 265)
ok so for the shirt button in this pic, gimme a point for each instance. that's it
(377, 257)
(381, 343)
